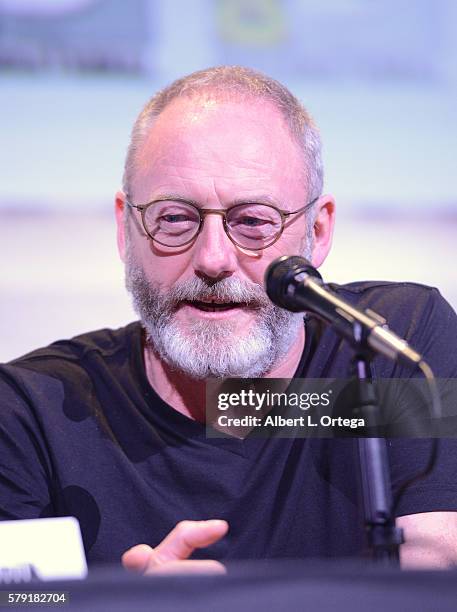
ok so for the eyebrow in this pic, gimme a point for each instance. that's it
(260, 199)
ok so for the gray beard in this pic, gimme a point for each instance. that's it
(204, 348)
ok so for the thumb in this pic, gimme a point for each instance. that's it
(188, 535)
(136, 559)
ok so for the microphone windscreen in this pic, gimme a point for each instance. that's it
(281, 273)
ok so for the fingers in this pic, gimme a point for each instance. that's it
(187, 536)
(171, 555)
(136, 559)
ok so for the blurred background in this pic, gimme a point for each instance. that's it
(380, 78)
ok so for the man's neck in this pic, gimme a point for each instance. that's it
(187, 395)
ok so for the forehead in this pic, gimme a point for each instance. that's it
(206, 148)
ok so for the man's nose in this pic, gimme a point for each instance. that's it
(214, 255)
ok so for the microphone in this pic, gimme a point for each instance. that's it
(292, 283)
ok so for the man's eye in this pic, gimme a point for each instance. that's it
(175, 218)
(251, 221)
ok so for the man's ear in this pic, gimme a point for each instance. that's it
(120, 222)
(323, 229)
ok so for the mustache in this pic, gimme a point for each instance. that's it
(227, 289)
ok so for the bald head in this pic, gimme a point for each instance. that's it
(237, 84)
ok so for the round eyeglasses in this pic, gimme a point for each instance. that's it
(176, 223)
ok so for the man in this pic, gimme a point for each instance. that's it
(222, 176)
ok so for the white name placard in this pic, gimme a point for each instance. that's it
(48, 549)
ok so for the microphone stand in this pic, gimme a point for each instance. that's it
(384, 538)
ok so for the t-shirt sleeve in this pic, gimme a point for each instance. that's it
(434, 334)
(25, 468)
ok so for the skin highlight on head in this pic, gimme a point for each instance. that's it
(240, 84)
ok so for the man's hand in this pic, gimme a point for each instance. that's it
(430, 540)
(172, 554)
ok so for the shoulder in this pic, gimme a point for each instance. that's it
(67, 360)
(400, 299)
(415, 312)
(406, 306)
(103, 341)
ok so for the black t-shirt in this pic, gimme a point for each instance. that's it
(83, 433)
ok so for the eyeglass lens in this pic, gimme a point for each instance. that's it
(176, 223)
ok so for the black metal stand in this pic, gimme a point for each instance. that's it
(384, 538)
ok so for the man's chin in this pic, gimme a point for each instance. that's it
(212, 349)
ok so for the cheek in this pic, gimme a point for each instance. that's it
(164, 267)
(287, 245)
(254, 266)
